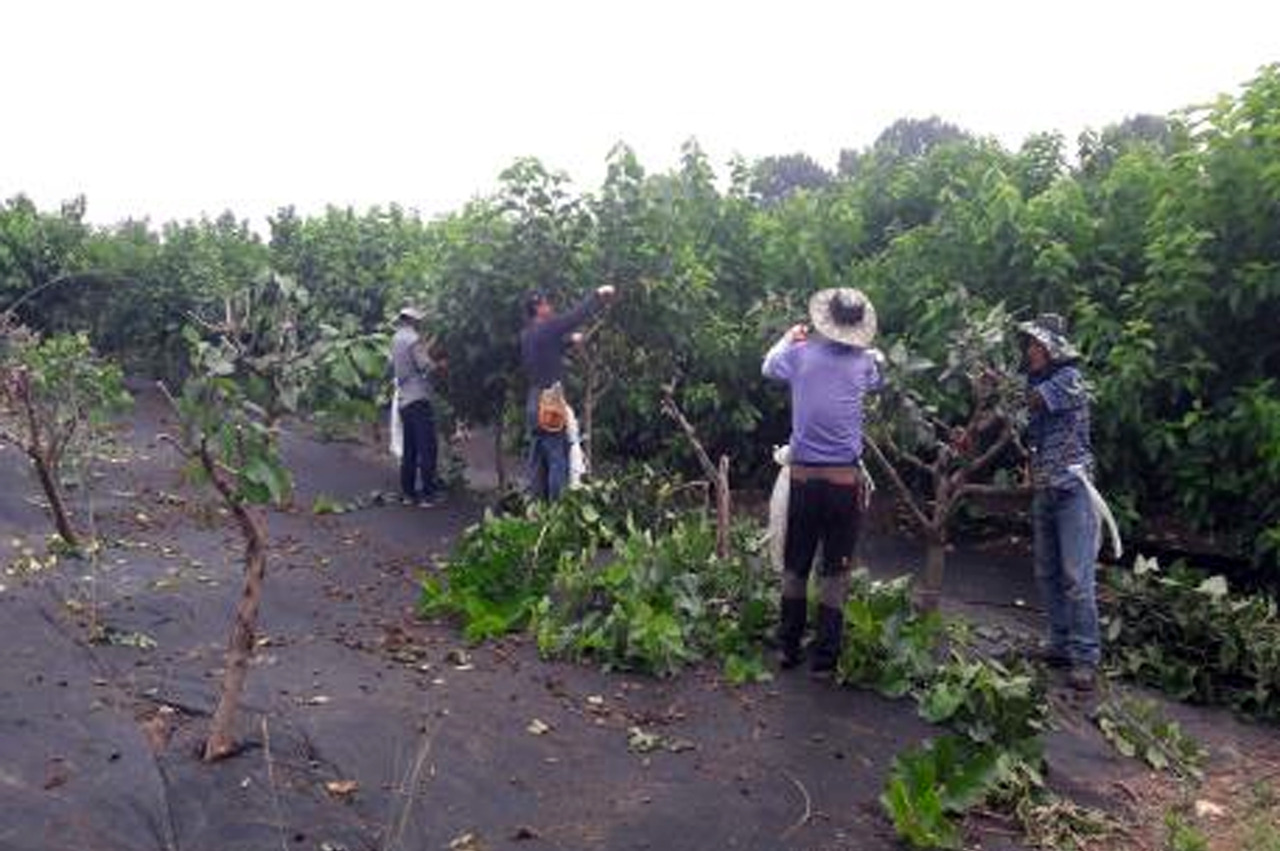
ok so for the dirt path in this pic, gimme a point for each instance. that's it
(97, 741)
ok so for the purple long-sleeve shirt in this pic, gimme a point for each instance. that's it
(828, 384)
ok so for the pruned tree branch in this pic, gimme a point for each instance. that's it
(717, 474)
(996, 490)
(910, 457)
(671, 409)
(980, 464)
(907, 496)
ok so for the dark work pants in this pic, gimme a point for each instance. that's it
(830, 514)
(419, 458)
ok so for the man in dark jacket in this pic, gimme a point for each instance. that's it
(542, 345)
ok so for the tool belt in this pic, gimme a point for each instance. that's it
(850, 474)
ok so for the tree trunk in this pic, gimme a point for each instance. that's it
(935, 564)
(57, 506)
(499, 457)
(221, 741)
(723, 509)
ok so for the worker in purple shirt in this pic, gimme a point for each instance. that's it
(830, 373)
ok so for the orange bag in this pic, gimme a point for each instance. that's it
(553, 410)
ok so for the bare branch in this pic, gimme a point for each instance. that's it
(907, 496)
(984, 460)
(671, 409)
(718, 474)
(176, 444)
(909, 457)
(996, 490)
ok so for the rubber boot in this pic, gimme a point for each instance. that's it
(826, 647)
(791, 630)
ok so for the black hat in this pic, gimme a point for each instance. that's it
(532, 300)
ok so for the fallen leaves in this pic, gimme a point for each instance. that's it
(56, 773)
(638, 741)
(643, 742)
(467, 842)
(342, 789)
(123, 638)
(1208, 809)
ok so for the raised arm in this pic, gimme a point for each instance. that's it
(778, 360)
(1063, 391)
(563, 324)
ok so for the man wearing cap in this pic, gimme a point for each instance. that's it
(542, 345)
(830, 374)
(1065, 525)
(412, 365)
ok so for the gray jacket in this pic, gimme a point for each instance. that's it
(412, 366)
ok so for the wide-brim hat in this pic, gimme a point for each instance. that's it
(411, 313)
(1050, 331)
(843, 315)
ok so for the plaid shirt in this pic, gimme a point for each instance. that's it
(1059, 431)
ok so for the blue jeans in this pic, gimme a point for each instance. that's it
(1066, 547)
(548, 455)
(548, 464)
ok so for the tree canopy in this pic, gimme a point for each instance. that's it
(1158, 237)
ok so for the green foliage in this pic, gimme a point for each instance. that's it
(987, 702)
(1261, 832)
(996, 713)
(348, 383)
(248, 370)
(219, 419)
(659, 603)
(1185, 633)
(1182, 835)
(501, 567)
(615, 572)
(1137, 728)
(1159, 247)
(888, 644)
(930, 786)
(324, 504)
(67, 385)
(56, 395)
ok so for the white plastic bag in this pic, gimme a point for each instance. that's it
(1100, 509)
(577, 460)
(778, 502)
(397, 427)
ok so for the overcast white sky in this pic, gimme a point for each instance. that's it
(173, 108)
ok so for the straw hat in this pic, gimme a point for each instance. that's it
(843, 315)
(1050, 331)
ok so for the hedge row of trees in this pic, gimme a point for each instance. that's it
(1159, 239)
